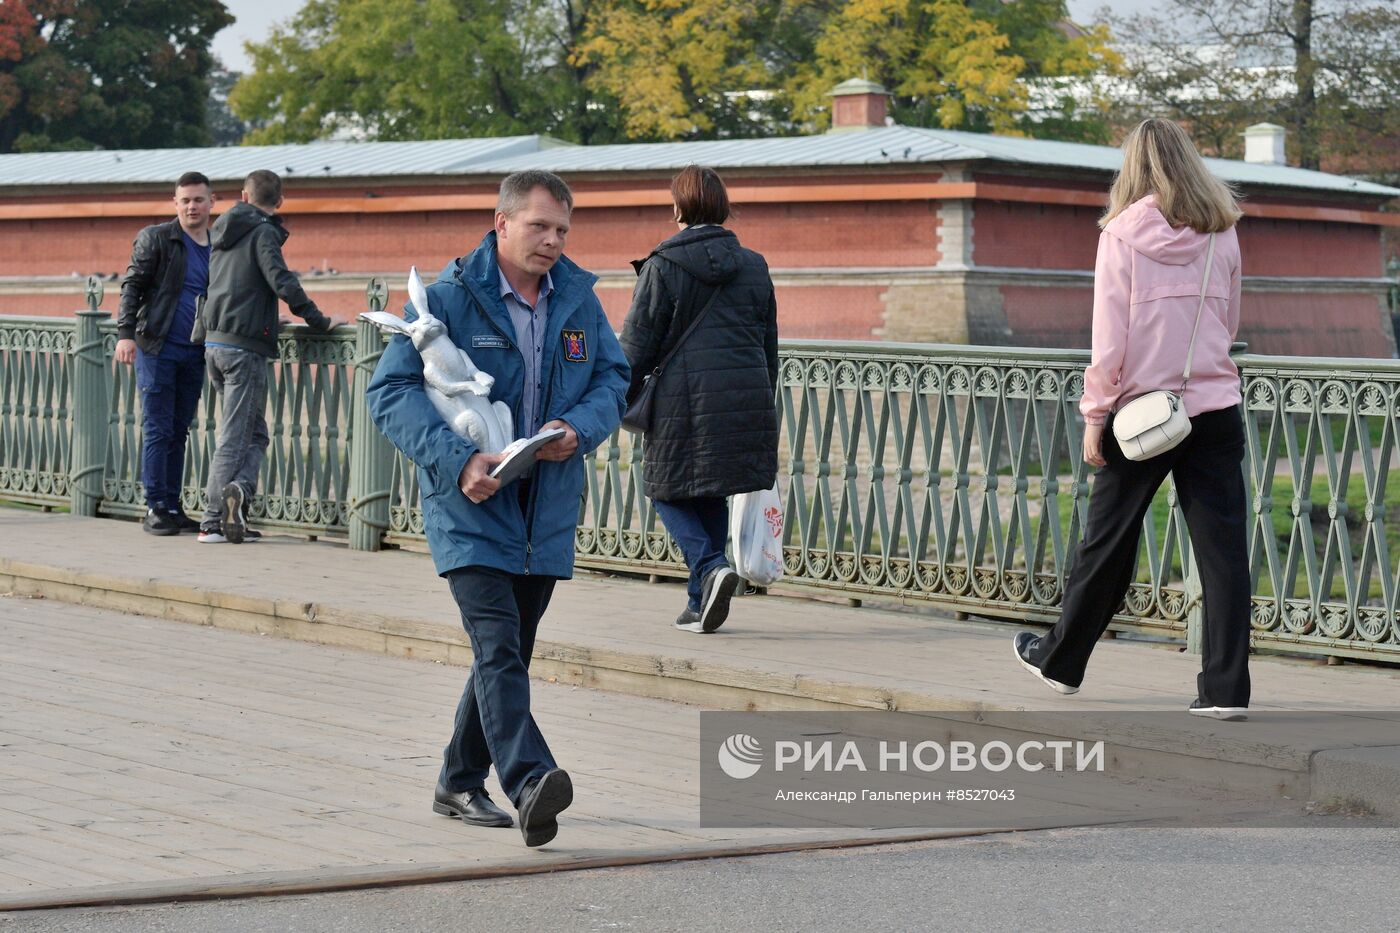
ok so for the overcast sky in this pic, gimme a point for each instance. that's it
(255, 18)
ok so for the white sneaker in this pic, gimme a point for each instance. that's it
(211, 537)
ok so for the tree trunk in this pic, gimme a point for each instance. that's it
(1305, 81)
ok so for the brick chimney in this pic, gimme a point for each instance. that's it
(858, 104)
(1263, 143)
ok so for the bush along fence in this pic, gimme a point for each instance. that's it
(940, 475)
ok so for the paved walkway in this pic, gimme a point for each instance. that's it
(784, 650)
(139, 751)
(142, 758)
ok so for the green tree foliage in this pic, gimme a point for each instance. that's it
(224, 128)
(599, 70)
(421, 69)
(681, 69)
(84, 74)
(1328, 70)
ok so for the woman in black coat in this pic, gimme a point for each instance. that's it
(714, 428)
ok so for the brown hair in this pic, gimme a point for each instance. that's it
(700, 196)
(264, 188)
(1159, 159)
(193, 178)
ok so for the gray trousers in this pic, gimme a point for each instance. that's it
(240, 379)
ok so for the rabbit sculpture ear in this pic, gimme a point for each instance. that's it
(417, 294)
(385, 321)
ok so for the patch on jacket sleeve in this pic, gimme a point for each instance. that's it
(487, 340)
(575, 346)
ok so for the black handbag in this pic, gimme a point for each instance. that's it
(637, 417)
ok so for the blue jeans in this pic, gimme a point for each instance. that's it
(701, 527)
(240, 376)
(170, 384)
(501, 613)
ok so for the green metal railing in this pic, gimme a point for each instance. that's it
(948, 476)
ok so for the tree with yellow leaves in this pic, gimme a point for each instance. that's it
(681, 69)
(952, 64)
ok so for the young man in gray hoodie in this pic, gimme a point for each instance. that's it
(238, 324)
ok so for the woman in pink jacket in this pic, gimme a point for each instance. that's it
(1164, 209)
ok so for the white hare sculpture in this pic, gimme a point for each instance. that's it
(458, 390)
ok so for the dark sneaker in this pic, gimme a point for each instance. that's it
(689, 621)
(1200, 707)
(211, 534)
(234, 523)
(160, 522)
(186, 523)
(720, 585)
(1024, 644)
(249, 535)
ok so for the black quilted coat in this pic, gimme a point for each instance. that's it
(715, 428)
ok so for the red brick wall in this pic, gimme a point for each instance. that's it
(1313, 324)
(1034, 236)
(1048, 316)
(804, 235)
(1048, 236)
(1309, 248)
(1278, 323)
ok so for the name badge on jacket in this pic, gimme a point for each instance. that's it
(575, 347)
(480, 340)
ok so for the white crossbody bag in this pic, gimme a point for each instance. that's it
(1154, 423)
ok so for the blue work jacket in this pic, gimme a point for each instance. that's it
(585, 381)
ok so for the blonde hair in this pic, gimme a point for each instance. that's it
(1158, 158)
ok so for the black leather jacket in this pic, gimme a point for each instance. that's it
(151, 287)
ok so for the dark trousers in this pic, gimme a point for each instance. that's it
(700, 527)
(169, 384)
(1210, 487)
(501, 612)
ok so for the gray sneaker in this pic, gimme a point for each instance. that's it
(720, 585)
(234, 523)
(689, 621)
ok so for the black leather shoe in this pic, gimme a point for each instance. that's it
(470, 806)
(542, 801)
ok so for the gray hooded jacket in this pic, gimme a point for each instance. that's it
(246, 277)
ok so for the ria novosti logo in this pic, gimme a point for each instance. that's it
(740, 756)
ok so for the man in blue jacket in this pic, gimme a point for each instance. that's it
(528, 316)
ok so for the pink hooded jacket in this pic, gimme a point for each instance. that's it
(1147, 283)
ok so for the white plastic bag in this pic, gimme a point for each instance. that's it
(756, 528)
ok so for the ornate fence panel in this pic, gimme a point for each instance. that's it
(36, 396)
(949, 475)
(945, 475)
(304, 479)
(1325, 508)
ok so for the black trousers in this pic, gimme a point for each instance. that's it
(1210, 487)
